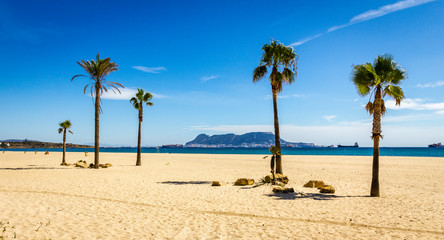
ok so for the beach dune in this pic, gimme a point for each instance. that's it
(171, 197)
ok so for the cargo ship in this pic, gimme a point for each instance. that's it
(172, 146)
(348, 146)
(436, 145)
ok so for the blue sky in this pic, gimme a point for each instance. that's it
(197, 58)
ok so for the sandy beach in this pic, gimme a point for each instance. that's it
(171, 197)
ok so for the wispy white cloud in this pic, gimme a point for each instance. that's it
(431, 85)
(156, 95)
(386, 9)
(368, 15)
(295, 44)
(126, 94)
(329, 117)
(415, 104)
(150, 69)
(334, 28)
(208, 78)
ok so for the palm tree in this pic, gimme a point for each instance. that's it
(381, 78)
(282, 60)
(137, 101)
(97, 71)
(64, 126)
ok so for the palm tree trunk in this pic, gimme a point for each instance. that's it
(139, 141)
(96, 128)
(64, 145)
(376, 134)
(277, 138)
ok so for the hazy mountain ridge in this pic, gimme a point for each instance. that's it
(248, 140)
(16, 143)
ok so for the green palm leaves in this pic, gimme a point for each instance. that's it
(66, 125)
(283, 63)
(97, 71)
(384, 74)
(140, 98)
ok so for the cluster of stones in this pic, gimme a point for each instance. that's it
(244, 182)
(323, 188)
(239, 182)
(281, 180)
(83, 164)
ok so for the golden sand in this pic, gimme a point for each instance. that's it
(171, 197)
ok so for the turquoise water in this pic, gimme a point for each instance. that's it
(362, 151)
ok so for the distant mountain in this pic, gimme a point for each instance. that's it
(16, 143)
(18, 140)
(248, 140)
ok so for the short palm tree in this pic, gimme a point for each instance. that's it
(64, 127)
(97, 71)
(138, 101)
(282, 61)
(381, 78)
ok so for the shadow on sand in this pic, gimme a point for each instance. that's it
(185, 182)
(314, 196)
(33, 168)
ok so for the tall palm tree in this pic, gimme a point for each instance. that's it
(283, 61)
(64, 127)
(137, 101)
(97, 71)
(381, 78)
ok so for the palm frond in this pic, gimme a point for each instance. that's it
(288, 75)
(394, 92)
(97, 70)
(376, 78)
(76, 76)
(369, 107)
(65, 124)
(135, 102)
(60, 130)
(147, 97)
(362, 79)
(259, 73)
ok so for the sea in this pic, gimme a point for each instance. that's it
(361, 151)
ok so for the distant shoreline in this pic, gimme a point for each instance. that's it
(361, 151)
